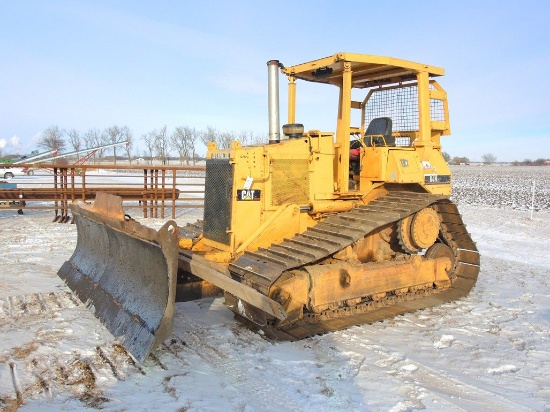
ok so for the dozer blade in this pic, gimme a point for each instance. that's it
(124, 272)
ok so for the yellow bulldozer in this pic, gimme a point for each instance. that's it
(312, 232)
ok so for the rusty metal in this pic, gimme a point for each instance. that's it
(161, 194)
(347, 281)
(127, 274)
(218, 275)
(112, 273)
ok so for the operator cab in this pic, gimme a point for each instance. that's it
(404, 110)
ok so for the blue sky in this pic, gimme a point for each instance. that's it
(94, 64)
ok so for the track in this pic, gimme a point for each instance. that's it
(14, 307)
(262, 268)
(40, 318)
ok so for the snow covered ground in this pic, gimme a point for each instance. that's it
(489, 351)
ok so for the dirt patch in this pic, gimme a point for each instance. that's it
(25, 350)
(9, 405)
(93, 400)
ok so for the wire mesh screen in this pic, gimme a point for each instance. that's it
(217, 200)
(401, 105)
(403, 141)
(437, 111)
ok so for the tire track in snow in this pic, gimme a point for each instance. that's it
(44, 369)
(459, 392)
(223, 349)
(82, 373)
(16, 307)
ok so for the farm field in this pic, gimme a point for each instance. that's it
(488, 351)
(502, 187)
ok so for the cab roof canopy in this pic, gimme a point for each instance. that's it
(367, 70)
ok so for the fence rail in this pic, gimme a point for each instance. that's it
(155, 191)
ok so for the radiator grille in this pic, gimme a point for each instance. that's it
(290, 181)
(217, 200)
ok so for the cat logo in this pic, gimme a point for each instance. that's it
(248, 194)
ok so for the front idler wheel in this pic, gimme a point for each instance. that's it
(418, 231)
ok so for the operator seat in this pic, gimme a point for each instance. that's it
(379, 126)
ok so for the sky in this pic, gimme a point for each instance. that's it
(95, 64)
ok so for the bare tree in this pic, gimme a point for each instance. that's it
(210, 135)
(260, 139)
(102, 140)
(127, 136)
(149, 140)
(446, 156)
(91, 139)
(184, 140)
(489, 158)
(75, 140)
(248, 137)
(461, 160)
(115, 134)
(244, 137)
(192, 144)
(225, 139)
(179, 142)
(52, 139)
(162, 144)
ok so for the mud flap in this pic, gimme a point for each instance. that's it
(125, 273)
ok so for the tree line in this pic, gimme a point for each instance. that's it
(490, 158)
(159, 144)
(487, 158)
(53, 138)
(529, 162)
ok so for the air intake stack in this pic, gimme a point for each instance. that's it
(273, 97)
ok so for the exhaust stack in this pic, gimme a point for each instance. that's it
(273, 97)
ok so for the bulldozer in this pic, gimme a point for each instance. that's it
(310, 233)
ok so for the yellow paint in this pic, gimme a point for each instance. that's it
(302, 179)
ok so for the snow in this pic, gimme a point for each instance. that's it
(489, 351)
